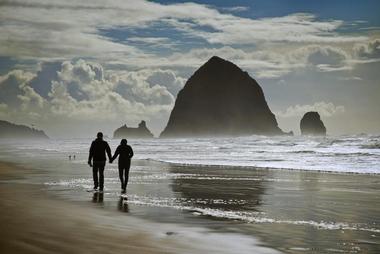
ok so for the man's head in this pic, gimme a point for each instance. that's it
(100, 135)
(123, 142)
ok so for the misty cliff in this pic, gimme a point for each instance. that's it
(10, 130)
(126, 132)
(220, 99)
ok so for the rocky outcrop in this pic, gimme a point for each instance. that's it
(220, 100)
(311, 124)
(14, 131)
(140, 132)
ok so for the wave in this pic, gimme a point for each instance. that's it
(371, 146)
(303, 151)
(79, 182)
(348, 154)
(253, 167)
(249, 217)
(351, 154)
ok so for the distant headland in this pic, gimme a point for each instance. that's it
(126, 132)
(14, 131)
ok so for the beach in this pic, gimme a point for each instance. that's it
(33, 221)
(189, 127)
(47, 205)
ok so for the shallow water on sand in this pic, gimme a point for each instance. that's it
(291, 211)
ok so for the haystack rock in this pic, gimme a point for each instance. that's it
(14, 131)
(311, 124)
(126, 132)
(220, 100)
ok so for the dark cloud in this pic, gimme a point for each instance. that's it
(47, 73)
(11, 86)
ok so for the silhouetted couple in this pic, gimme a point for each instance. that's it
(98, 150)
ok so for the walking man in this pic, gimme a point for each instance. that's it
(125, 153)
(97, 155)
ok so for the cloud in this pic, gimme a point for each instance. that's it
(13, 84)
(83, 91)
(236, 8)
(30, 100)
(166, 78)
(64, 30)
(47, 71)
(328, 58)
(134, 85)
(326, 109)
(83, 80)
(299, 27)
(153, 43)
(269, 62)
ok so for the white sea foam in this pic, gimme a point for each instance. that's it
(246, 216)
(79, 182)
(355, 154)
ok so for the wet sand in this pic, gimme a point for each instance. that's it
(183, 208)
(291, 210)
(35, 222)
(187, 209)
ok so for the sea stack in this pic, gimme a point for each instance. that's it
(140, 132)
(311, 124)
(220, 100)
(14, 131)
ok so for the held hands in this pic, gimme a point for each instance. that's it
(90, 164)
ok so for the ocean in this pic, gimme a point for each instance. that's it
(295, 194)
(343, 154)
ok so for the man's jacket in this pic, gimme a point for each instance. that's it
(98, 150)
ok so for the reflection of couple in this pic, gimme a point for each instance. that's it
(97, 155)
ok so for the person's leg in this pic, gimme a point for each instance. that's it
(101, 175)
(121, 177)
(126, 172)
(95, 175)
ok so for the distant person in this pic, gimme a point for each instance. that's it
(97, 155)
(70, 157)
(74, 156)
(125, 153)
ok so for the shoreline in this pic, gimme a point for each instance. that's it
(36, 222)
(185, 209)
(61, 230)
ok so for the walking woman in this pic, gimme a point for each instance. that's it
(125, 153)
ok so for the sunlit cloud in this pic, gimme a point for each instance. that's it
(325, 109)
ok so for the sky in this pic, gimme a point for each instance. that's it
(73, 68)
